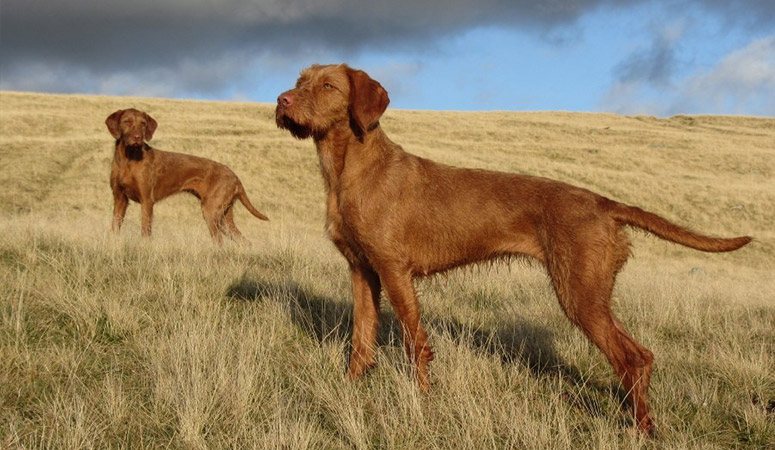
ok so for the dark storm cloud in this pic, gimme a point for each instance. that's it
(45, 44)
(173, 37)
(653, 64)
(149, 32)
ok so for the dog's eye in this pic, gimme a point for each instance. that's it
(328, 85)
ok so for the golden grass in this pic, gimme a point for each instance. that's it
(119, 342)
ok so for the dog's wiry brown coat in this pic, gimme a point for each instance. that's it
(395, 216)
(146, 175)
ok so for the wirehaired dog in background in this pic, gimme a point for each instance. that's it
(146, 175)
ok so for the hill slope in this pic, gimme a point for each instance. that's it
(115, 341)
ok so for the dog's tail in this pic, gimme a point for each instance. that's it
(243, 197)
(661, 227)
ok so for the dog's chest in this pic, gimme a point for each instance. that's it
(129, 176)
(342, 234)
(335, 227)
(129, 185)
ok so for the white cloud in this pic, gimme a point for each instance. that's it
(744, 80)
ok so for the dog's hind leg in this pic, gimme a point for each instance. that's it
(583, 274)
(231, 227)
(214, 217)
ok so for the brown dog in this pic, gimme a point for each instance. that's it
(395, 216)
(146, 175)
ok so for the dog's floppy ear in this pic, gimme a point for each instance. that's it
(150, 127)
(112, 123)
(368, 99)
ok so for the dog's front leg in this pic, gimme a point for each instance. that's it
(400, 291)
(146, 217)
(120, 202)
(366, 290)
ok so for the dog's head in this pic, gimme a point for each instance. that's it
(327, 96)
(131, 126)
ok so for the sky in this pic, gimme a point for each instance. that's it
(659, 58)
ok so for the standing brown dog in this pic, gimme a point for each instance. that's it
(395, 216)
(146, 175)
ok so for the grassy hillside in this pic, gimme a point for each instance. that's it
(118, 342)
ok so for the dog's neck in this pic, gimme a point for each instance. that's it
(130, 153)
(340, 145)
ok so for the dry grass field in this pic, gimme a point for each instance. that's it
(124, 343)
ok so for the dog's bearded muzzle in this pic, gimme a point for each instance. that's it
(285, 122)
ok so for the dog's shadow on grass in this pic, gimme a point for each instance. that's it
(518, 341)
(320, 317)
